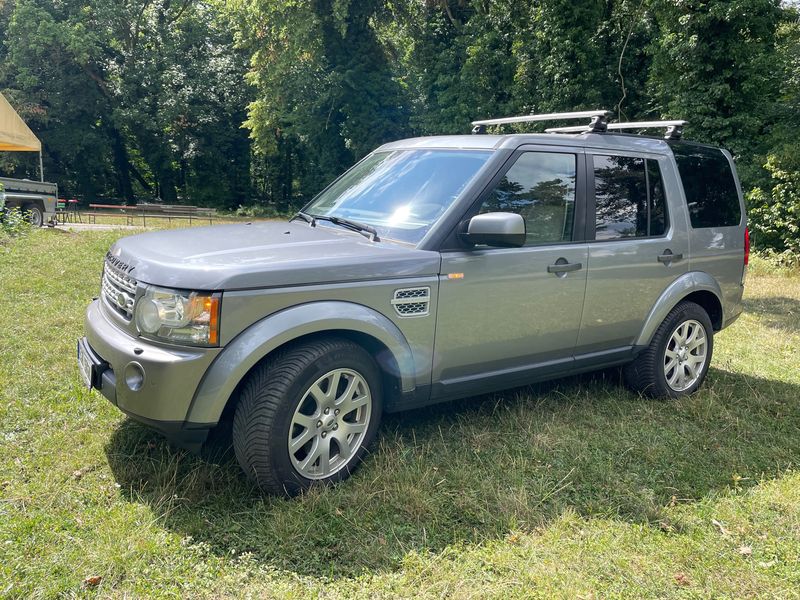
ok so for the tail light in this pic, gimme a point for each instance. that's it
(746, 246)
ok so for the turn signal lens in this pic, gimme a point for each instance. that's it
(211, 308)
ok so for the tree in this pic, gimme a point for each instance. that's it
(48, 69)
(325, 89)
(775, 215)
(714, 64)
(468, 59)
(775, 205)
(144, 98)
(137, 98)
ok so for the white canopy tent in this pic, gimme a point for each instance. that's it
(15, 135)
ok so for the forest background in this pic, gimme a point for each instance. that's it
(257, 104)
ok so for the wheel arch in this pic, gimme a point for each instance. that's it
(694, 286)
(373, 331)
(710, 303)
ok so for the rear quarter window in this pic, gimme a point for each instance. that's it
(709, 186)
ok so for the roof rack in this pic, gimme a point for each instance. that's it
(597, 123)
(674, 129)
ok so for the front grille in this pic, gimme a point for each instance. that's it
(119, 288)
(412, 302)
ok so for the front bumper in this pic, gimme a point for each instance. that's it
(171, 374)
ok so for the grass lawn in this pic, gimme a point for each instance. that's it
(572, 489)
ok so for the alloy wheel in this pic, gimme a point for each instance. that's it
(329, 423)
(685, 355)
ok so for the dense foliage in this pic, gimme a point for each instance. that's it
(775, 215)
(13, 222)
(144, 98)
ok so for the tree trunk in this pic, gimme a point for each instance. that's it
(122, 166)
(166, 186)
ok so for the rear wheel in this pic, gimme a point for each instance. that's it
(35, 214)
(677, 359)
(307, 416)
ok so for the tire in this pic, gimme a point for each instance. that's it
(669, 368)
(284, 401)
(35, 214)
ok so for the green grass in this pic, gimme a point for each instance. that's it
(575, 488)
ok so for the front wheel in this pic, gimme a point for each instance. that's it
(307, 415)
(677, 359)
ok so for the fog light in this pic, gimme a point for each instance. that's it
(134, 376)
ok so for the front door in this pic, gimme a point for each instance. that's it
(509, 315)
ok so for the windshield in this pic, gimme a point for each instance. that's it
(401, 193)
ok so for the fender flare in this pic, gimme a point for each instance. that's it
(693, 281)
(264, 336)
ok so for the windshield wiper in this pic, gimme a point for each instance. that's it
(361, 228)
(306, 217)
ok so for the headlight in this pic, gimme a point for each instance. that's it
(182, 317)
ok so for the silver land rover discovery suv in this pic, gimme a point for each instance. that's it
(436, 268)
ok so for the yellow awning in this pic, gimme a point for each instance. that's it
(14, 133)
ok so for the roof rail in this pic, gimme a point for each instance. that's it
(597, 123)
(674, 129)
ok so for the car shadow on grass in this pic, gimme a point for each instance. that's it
(473, 470)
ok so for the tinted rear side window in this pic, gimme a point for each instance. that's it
(629, 198)
(709, 186)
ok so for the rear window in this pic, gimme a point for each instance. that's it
(709, 186)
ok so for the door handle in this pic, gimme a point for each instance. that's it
(669, 257)
(563, 267)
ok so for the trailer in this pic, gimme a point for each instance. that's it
(37, 198)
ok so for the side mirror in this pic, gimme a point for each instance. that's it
(501, 229)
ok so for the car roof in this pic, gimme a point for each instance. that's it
(606, 141)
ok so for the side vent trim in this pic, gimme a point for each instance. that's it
(412, 302)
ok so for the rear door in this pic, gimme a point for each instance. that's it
(505, 314)
(638, 247)
(716, 217)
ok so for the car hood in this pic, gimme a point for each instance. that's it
(265, 254)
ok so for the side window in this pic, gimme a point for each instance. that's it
(629, 198)
(540, 186)
(709, 186)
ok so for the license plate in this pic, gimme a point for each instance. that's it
(85, 365)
